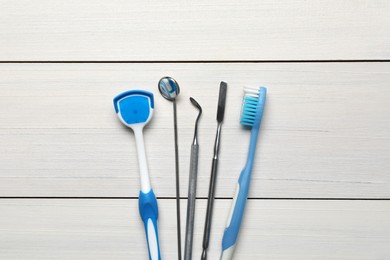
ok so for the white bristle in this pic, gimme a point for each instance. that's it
(249, 106)
(251, 91)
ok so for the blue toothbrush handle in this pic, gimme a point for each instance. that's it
(149, 213)
(230, 235)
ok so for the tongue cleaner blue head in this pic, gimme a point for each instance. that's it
(135, 109)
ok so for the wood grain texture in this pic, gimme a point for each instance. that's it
(325, 131)
(111, 229)
(194, 30)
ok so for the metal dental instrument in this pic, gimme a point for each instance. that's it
(192, 187)
(169, 89)
(213, 177)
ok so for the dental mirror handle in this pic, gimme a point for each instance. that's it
(191, 202)
(178, 218)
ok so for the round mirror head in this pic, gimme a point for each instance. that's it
(168, 88)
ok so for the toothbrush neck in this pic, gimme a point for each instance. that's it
(256, 128)
(252, 146)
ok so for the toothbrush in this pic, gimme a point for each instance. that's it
(251, 115)
(135, 109)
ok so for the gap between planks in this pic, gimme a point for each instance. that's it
(194, 61)
(199, 198)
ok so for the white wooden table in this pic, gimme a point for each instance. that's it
(68, 170)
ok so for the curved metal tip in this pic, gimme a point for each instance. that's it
(169, 88)
(196, 104)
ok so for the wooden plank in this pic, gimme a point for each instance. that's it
(325, 131)
(102, 229)
(188, 30)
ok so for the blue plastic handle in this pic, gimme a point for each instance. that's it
(149, 213)
(230, 235)
(232, 230)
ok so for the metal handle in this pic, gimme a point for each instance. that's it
(191, 202)
(178, 217)
(209, 213)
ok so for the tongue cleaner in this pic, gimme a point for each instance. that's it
(135, 109)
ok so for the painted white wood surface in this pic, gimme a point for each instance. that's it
(272, 229)
(194, 30)
(326, 129)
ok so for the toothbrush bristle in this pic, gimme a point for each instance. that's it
(249, 106)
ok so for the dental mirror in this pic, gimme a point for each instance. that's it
(169, 88)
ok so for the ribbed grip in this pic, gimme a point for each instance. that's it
(232, 230)
(149, 214)
(191, 202)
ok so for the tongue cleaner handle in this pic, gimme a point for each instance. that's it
(147, 200)
(149, 214)
(143, 165)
